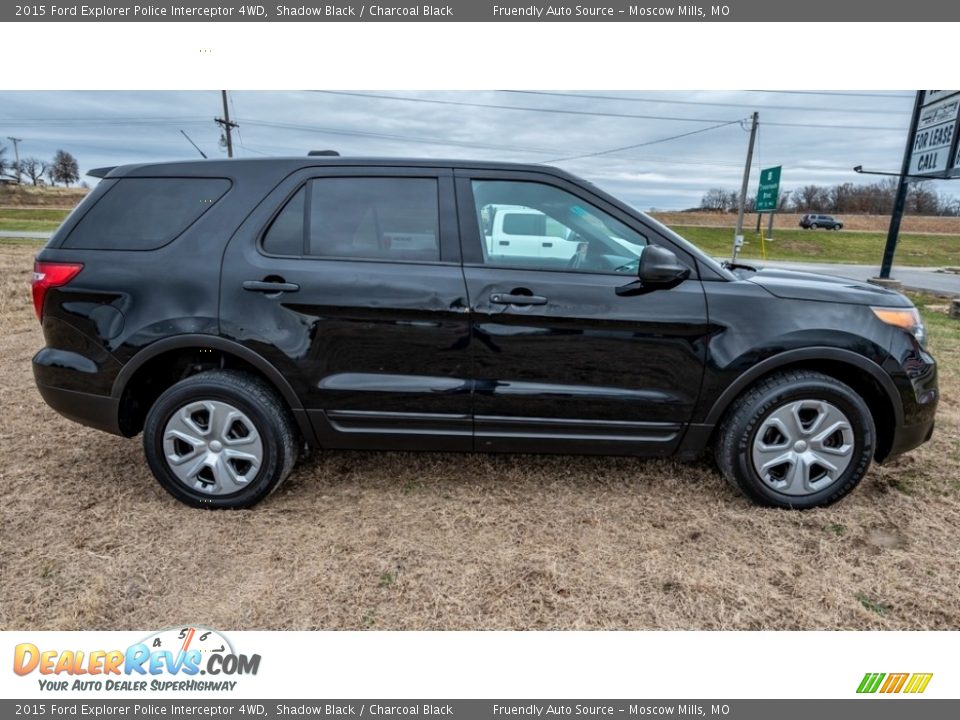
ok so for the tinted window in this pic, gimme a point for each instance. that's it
(539, 226)
(145, 213)
(285, 236)
(367, 218)
(378, 218)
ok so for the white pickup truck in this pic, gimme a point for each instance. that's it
(515, 231)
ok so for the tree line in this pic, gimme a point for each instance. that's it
(868, 199)
(62, 169)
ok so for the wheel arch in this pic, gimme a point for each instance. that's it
(863, 375)
(171, 359)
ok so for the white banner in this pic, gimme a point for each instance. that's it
(459, 665)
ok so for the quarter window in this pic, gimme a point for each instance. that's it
(539, 226)
(145, 213)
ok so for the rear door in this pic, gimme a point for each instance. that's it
(561, 362)
(349, 281)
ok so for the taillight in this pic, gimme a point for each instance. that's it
(48, 275)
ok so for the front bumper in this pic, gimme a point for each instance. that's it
(908, 437)
(915, 376)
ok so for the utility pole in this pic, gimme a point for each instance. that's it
(738, 236)
(226, 124)
(16, 152)
(901, 198)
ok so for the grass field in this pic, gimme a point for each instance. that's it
(923, 224)
(31, 219)
(915, 250)
(359, 540)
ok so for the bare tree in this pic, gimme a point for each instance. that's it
(34, 169)
(810, 198)
(922, 200)
(733, 201)
(949, 205)
(64, 168)
(783, 200)
(873, 199)
(714, 199)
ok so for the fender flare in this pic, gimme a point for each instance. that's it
(197, 340)
(791, 357)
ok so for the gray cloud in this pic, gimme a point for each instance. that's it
(109, 128)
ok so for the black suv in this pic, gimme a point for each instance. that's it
(812, 222)
(235, 311)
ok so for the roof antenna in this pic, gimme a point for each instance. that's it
(324, 153)
(194, 144)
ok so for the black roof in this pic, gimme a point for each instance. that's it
(283, 165)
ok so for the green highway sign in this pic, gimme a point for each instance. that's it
(769, 189)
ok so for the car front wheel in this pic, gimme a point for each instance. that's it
(220, 439)
(798, 439)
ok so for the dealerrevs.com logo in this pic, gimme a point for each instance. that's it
(178, 659)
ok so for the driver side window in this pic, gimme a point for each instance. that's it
(541, 227)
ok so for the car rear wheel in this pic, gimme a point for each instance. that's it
(220, 439)
(798, 439)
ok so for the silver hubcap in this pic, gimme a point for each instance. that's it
(802, 447)
(212, 447)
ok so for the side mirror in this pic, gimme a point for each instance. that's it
(659, 270)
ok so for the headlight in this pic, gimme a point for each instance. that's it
(904, 318)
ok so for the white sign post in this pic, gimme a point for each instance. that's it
(935, 152)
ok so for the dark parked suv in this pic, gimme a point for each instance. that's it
(812, 222)
(236, 311)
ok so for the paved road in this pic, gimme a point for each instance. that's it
(913, 278)
(24, 234)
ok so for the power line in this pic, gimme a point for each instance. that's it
(558, 111)
(841, 93)
(644, 144)
(106, 120)
(561, 111)
(704, 103)
(389, 136)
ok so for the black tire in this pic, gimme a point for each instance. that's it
(274, 425)
(735, 441)
(814, 226)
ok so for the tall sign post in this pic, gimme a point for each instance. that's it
(738, 233)
(932, 151)
(768, 194)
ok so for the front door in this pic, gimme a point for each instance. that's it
(561, 362)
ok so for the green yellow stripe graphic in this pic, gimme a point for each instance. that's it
(870, 682)
(918, 682)
(894, 682)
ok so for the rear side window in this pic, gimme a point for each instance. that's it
(364, 218)
(145, 213)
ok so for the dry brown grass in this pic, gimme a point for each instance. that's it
(403, 541)
(871, 223)
(18, 196)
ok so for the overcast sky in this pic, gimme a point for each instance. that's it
(817, 137)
